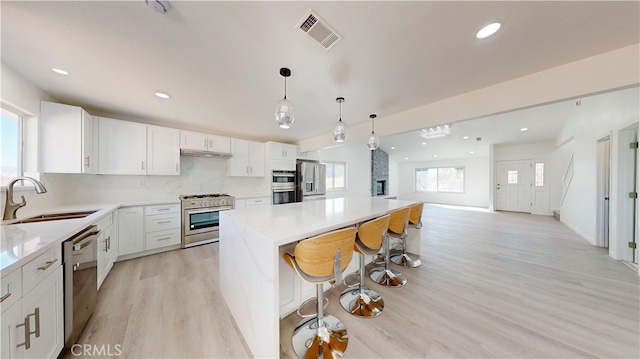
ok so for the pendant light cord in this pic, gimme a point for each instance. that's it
(285, 87)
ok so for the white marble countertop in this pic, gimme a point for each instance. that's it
(21, 243)
(290, 222)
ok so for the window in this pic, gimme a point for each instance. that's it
(512, 177)
(11, 148)
(336, 175)
(539, 173)
(442, 179)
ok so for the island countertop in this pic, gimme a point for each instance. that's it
(291, 222)
(250, 258)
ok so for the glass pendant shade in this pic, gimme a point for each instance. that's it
(374, 141)
(284, 108)
(340, 129)
(284, 113)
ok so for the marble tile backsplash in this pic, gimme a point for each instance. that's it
(197, 175)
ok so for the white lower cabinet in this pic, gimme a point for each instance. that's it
(33, 326)
(107, 246)
(251, 202)
(130, 230)
(146, 228)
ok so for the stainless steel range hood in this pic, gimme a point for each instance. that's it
(201, 153)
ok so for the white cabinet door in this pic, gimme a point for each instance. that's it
(66, 139)
(239, 163)
(105, 253)
(257, 160)
(130, 230)
(163, 151)
(289, 284)
(10, 335)
(194, 140)
(43, 307)
(282, 151)
(219, 144)
(290, 152)
(123, 147)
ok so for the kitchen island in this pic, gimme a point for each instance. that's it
(250, 241)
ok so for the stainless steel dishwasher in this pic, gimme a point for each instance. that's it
(80, 254)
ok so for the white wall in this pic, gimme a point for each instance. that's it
(394, 178)
(476, 172)
(597, 117)
(358, 159)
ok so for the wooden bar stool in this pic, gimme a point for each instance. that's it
(415, 220)
(385, 275)
(318, 260)
(361, 301)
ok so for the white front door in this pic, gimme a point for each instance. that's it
(540, 188)
(513, 186)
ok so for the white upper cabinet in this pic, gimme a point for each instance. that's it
(66, 139)
(248, 158)
(204, 142)
(282, 151)
(123, 147)
(163, 151)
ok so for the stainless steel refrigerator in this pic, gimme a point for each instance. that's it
(310, 181)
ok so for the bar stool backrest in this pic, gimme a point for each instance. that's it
(372, 232)
(398, 220)
(315, 255)
(415, 216)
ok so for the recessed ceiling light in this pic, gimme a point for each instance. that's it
(523, 129)
(465, 137)
(471, 152)
(406, 158)
(488, 30)
(424, 143)
(435, 155)
(393, 148)
(162, 95)
(60, 71)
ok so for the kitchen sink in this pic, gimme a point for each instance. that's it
(56, 216)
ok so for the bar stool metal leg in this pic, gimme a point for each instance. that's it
(403, 258)
(361, 301)
(387, 276)
(320, 336)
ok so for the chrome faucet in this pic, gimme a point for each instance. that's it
(11, 207)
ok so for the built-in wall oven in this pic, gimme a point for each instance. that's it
(283, 187)
(201, 217)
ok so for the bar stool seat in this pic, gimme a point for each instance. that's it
(361, 301)
(384, 275)
(318, 260)
(415, 221)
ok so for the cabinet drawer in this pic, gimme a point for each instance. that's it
(162, 239)
(11, 289)
(252, 202)
(162, 209)
(38, 269)
(162, 222)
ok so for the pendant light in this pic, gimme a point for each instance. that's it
(340, 129)
(374, 140)
(284, 109)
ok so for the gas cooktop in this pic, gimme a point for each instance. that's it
(212, 195)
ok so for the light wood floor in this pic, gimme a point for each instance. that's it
(494, 285)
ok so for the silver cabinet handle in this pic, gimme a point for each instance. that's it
(27, 333)
(162, 222)
(109, 243)
(142, 164)
(163, 209)
(4, 297)
(164, 238)
(210, 143)
(86, 161)
(48, 264)
(106, 246)
(205, 143)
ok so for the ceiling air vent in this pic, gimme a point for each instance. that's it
(318, 29)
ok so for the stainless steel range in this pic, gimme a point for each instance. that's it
(201, 217)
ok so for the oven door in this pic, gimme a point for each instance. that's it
(202, 220)
(283, 195)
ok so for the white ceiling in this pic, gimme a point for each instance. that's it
(219, 60)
